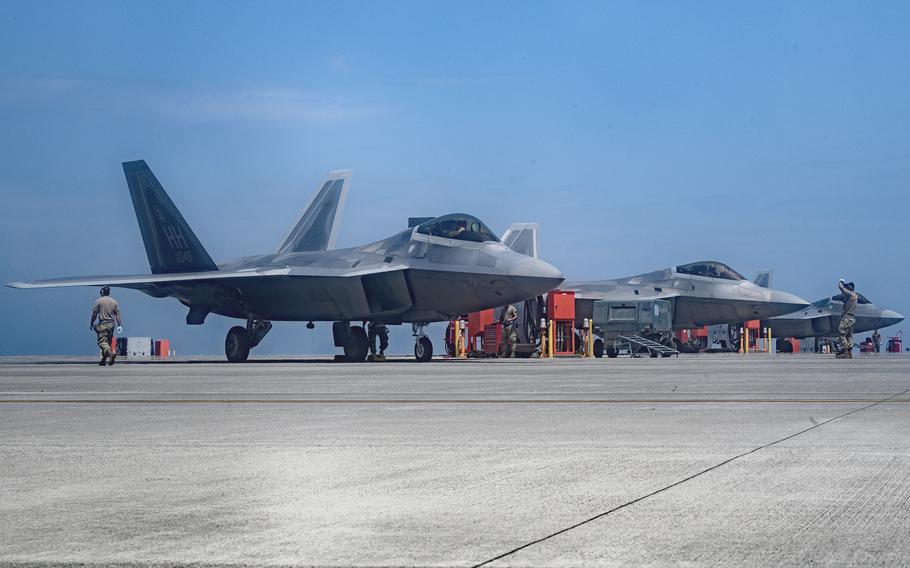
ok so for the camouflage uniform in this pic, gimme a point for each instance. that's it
(378, 330)
(847, 321)
(105, 331)
(107, 311)
(509, 333)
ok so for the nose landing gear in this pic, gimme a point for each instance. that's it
(423, 347)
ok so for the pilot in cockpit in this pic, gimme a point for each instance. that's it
(461, 226)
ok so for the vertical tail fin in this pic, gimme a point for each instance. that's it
(763, 278)
(169, 242)
(317, 227)
(522, 238)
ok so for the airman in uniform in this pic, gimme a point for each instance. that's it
(509, 333)
(380, 330)
(847, 319)
(107, 311)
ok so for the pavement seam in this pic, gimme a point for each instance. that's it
(684, 480)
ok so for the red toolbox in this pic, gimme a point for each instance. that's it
(492, 337)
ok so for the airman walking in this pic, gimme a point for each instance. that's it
(107, 311)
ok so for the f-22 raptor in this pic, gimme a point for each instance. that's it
(821, 319)
(700, 293)
(446, 266)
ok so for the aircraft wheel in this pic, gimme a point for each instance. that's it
(237, 344)
(598, 347)
(450, 348)
(612, 353)
(784, 346)
(355, 346)
(654, 354)
(423, 349)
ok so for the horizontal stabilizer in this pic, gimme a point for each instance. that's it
(317, 227)
(522, 238)
(170, 244)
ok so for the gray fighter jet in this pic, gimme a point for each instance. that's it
(821, 319)
(700, 293)
(441, 268)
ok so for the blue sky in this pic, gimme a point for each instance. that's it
(770, 135)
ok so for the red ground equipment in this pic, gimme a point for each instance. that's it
(477, 325)
(561, 313)
(896, 343)
(692, 340)
(162, 348)
(492, 336)
(754, 327)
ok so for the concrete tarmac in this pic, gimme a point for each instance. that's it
(730, 460)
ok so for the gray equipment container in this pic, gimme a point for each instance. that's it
(139, 347)
(622, 318)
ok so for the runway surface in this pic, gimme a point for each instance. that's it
(703, 460)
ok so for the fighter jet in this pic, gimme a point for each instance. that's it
(443, 267)
(700, 293)
(821, 318)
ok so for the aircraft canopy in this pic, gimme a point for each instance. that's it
(710, 269)
(458, 226)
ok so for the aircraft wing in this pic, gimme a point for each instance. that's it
(804, 315)
(148, 281)
(138, 281)
(609, 291)
(627, 296)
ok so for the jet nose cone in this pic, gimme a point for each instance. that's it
(890, 317)
(537, 276)
(783, 303)
(543, 269)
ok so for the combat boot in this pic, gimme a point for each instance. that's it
(842, 355)
(849, 354)
(113, 356)
(103, 360)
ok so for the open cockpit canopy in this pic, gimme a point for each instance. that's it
(709, 269)
(459, 226)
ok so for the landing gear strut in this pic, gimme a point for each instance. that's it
(240, 340)
(423, 347)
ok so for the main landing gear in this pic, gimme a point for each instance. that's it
(240, 340)
(352, 339)
(355, 345)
